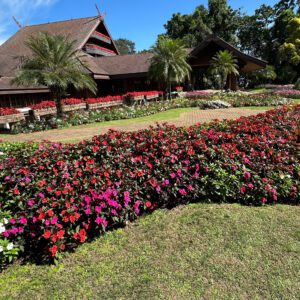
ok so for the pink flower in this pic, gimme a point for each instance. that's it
(23, 221)
(243, 190)
(182, 192)
(30, 202)
(173, 175)
(264, 200)
(250, 186)
(54, 220)
(247, 175)
(98, 209)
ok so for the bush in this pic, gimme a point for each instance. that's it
(17, 148)
(64, 195)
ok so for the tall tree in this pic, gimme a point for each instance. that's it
(219, 19)
(169, 62)
(125, 46)
(223, 20)
(224, 64)
(290, 50)
(57, 64)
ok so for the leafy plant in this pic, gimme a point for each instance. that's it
(56, 64)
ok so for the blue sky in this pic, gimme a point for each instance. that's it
(138, 20)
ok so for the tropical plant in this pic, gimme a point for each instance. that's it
(169, 62)
(224, 64)
(57, 64)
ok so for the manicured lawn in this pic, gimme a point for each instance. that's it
(198, 251)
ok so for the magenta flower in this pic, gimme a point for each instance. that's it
(23, 221)
(247, 175)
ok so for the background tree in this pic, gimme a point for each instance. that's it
(125, 46)
(219, 19)
(169, 62)
(224, 64)
(290, 50)
(56, 64)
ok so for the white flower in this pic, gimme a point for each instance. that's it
(1, 249)
(10, 246)
(2, 228)
(5, 221)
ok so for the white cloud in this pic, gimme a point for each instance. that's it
(23, 10)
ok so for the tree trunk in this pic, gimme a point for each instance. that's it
(59, 107)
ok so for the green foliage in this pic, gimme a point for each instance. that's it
(290, 50)
(125, 46)
(16, 148)
(223, 65)
(56, 64)
(169, 62)
(236, 248)
(219, 18)
(8, 251)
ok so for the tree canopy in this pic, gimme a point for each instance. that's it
(125, 46)
(270, 33)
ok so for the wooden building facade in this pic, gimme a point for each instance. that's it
(114, 73)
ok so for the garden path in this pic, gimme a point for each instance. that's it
(78, 133)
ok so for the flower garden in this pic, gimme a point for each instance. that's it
(58, 196)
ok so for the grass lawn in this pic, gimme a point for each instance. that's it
(198, 251)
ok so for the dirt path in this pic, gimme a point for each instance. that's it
(85, 132)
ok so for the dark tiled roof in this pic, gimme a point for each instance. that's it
(5, 84)
(15, 47)
(125, 64)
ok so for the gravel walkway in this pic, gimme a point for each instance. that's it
(85, 132)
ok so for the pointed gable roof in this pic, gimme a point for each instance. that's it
(76, 29)
(251, 63)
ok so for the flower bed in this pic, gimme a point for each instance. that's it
(44, 108)
(288, 93)
(10, 115)
(72, 104)
(142, 95)
(108, 101)
(64, 195)
(198, 95)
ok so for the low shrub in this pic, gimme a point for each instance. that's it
(17, 148)
(297, 85)
(64, 195)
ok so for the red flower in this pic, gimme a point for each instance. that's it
(60, 234)
(53, 250)
(47, 234)
(148, 204)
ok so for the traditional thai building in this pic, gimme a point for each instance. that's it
(114, 73)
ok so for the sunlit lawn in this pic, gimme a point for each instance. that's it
(199, 251)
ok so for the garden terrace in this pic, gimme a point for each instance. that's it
(68, 194)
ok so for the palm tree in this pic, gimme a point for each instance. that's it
(169, 62)
(224, 64)
(56, 64)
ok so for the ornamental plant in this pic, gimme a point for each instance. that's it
(61, 196)
(6, 111)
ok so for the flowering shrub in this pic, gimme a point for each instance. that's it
(6, 111)
(179, 88)
(72, 101)
(63, 195)
(275, 86)
(289, 93)
(145, 93)
(8, 251)
(104, 99)
(198, 95)
(43, 105)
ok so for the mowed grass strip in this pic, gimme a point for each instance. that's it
(198, 251)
